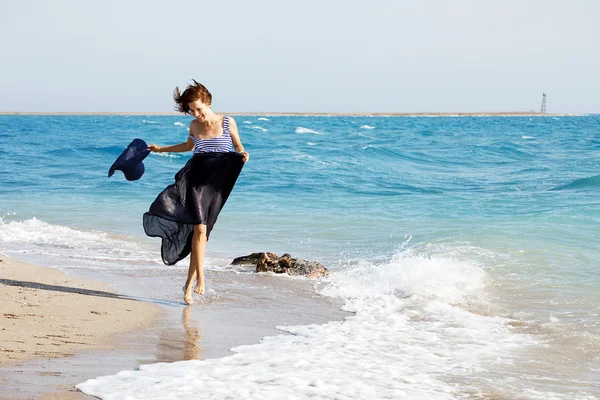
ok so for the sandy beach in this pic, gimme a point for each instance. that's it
(48, 315)
(57, 330)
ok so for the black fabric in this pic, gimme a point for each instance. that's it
(199, 193)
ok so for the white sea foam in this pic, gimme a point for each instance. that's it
(59, 246)
(301, 129)
(149, 122)
(171, 155)
(311, 143)
(263, 119)
(246, 122)
(259, 128)
(367, 127)
(527, 137)
(178, 124)
(411, 337)
(67, 246)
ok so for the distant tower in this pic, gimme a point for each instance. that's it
(543, 109)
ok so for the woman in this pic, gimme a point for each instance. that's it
(184, 213)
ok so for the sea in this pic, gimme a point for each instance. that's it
(464, 249)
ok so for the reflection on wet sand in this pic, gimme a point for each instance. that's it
(175, 345)
(191, 347)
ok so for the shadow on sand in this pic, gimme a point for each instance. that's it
(86, 292)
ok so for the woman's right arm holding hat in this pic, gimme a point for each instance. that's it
(176, 148)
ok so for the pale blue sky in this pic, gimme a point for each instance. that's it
(310, 55)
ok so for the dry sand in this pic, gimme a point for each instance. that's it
(45, 314)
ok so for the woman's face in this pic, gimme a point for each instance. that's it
(199, 110)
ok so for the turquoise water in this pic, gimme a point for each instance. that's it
(516, 197)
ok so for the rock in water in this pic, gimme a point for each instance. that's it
(269, 262)
(253, 258)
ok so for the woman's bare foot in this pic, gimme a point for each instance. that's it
(187, 296)
(199, 288)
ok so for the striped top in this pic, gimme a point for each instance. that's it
(221, 144)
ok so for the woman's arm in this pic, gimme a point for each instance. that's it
(235, 138)
(176, 148)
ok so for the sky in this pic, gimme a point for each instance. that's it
(301, 56)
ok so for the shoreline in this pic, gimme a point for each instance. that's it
(168, 330)
(47, 314)
(50, 318)
(313, 114)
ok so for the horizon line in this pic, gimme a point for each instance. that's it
(284, 113)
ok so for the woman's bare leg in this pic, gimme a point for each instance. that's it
(196, 268)
(187, 289)
(198, 252)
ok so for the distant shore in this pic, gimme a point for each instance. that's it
(336, 114)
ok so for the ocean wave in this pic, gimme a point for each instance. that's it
(178, 124)
(72, 151)
(263, 119)
(410, 336)
(73, 247)
(171, 155)
(385, 152)
(389, 190)
(301, 129)
(593, 182)
(505, 152)
(367, 127)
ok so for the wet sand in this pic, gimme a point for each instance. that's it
(244, 308)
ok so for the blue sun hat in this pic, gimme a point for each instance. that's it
(130, 161)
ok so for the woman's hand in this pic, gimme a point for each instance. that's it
(154, 147)
(245, 156)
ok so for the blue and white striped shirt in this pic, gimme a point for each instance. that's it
(221, 144)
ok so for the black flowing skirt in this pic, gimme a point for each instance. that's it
(199, 193)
